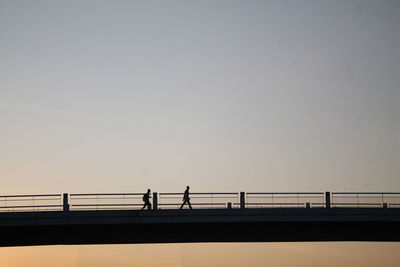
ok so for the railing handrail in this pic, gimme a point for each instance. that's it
(107, 204)
(30, 206)
(108, 194)
(193, 204)
(366, 193)
(43, 195)
(284, 193)
(282, 203)
(355, 203)
(289, 196)
(202, 193)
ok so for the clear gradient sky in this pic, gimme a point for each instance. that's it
(121, 96)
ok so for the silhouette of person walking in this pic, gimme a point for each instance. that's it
(186, 198)
(146, 200)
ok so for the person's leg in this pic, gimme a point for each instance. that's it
(144, 206)
(190, 206)
(149, 205)
(182, 204)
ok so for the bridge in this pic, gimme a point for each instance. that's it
(52, 219)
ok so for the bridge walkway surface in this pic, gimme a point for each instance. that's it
(202, 225)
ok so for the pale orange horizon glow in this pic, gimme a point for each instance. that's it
(329, 254)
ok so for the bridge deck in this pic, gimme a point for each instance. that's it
(203, 225)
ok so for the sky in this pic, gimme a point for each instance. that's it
(121, 96)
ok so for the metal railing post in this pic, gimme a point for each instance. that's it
(65, 202)
(155, 201)
(242, 200)
(328, 200)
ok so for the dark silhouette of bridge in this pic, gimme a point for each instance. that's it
(52, 219)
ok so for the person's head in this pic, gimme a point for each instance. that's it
(187, 187)
(148, 190)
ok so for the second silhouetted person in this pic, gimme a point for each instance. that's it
(146, 200)
(186, 198)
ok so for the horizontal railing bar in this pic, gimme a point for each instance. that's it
(194, 197)
(284, 193)
(283, 196)
(38, 206)
(178, 197)
(210, 197)
(104, 205)
(277, 197)
(108, 198)
(287, 196)
(48, 195)
(94, 208)
(283, 203)
(369, 197)
(366, 193)
(357, 207)
(193, 204)
(214, 193)
(359, 203)
(363, 198)
(366, 196)
(216, 203)
(30, 199)
(108, 194)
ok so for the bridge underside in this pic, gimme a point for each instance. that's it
(176, 226)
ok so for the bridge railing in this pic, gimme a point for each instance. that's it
(22, 203)
(199, 200)
(365, 200)
(285, 200)
(132, 201)
(106, 201)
